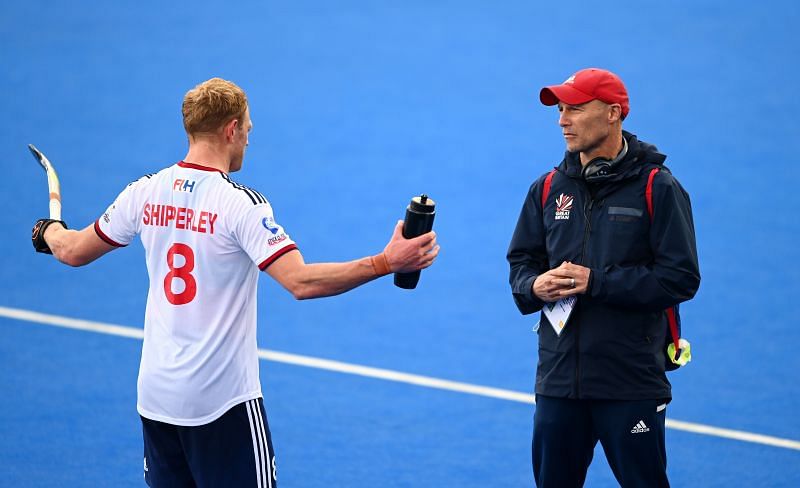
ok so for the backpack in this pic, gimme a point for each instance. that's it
(676, 349)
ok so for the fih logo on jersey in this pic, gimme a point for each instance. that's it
(270, 225)
(183, 185)
(563, 206)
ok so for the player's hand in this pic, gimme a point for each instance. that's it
(407, 255)
(37, 234)
(566, 280)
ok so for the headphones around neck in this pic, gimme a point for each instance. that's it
(601, 169)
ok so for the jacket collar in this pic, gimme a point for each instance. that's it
(640, 156)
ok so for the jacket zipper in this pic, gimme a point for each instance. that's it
(587, 215)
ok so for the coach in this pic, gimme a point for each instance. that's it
(585, 232)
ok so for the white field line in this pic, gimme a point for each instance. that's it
(385, 374)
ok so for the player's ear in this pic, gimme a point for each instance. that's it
(230, 128)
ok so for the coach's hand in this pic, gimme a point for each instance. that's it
(568, 279)
(406, 255)
(37, 234)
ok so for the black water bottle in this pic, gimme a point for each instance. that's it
(419, 220)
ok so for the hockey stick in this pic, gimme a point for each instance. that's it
(52, 182)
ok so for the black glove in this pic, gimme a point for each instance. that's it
(37, 235)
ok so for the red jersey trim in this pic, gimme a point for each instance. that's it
(184, 164)
(264, 265)
(104, 237)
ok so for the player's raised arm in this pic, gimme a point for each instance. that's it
(72, 247)
(51, 236)
(316, 280)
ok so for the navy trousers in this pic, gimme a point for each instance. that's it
(565, 433)
(233, 451)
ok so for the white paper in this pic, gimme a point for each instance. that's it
(557, 313)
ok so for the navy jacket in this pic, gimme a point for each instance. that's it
(611, 347)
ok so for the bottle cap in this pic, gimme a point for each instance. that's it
(422, 204)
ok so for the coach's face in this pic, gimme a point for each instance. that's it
(241, 140)
(585, 126)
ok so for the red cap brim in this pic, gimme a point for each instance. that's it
(551, 95)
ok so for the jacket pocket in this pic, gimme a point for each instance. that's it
(624, 214)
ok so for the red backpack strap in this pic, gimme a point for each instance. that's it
(672, 319)
(546, 188)
(648, 193)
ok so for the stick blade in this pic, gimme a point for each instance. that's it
(38, 155)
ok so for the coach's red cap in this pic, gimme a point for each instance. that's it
(587, 85)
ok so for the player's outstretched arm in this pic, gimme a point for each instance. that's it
(72, 247)
(326, 279)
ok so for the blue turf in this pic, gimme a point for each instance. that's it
(358, 106)
(69, 409)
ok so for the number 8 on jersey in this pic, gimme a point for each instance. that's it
(182, 273)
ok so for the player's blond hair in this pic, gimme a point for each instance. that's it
(212, 104)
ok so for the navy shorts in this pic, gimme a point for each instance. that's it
(234, 450)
